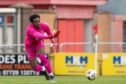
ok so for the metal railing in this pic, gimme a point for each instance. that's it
(87, 47)
(102, 46)
(14, 48)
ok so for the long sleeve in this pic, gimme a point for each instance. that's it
(53, 41)
(48, 31)
(37, 35)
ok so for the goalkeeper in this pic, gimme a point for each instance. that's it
(34, 44)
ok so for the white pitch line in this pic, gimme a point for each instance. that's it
(30, 82)
(66, 80)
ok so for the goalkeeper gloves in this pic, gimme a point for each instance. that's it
(54, 49)
(56, 34)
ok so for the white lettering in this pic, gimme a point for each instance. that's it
(10, 72)
(1, 59)
(8, 59)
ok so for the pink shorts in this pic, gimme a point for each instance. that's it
(32, 51)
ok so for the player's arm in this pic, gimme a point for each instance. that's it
(48, 31)
(52, 36)
(38, 35)
(56, 34)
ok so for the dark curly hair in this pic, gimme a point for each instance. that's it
(33, 16)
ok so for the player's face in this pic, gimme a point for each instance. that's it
(36, 22)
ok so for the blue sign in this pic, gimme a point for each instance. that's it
(119, 60)
(1, 19)
(79, 59)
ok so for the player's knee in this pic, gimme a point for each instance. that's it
(36, 68)
(43, 56)
(40, 51)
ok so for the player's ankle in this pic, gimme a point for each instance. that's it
(51, 74)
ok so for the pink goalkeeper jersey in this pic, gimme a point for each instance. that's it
(35, 37)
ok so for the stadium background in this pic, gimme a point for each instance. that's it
(76, 20)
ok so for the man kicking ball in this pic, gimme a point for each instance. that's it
(34, 44)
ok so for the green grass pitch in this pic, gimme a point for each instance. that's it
(61, 80)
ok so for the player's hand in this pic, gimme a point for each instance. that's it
(54, 47)
(56, 34)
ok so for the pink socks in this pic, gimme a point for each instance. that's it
(39, 68)
(45, 62)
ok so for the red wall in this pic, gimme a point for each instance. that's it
(57, 2)
(117, 32)
(75, 12)
(71, 31)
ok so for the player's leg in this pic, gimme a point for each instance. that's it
(32, 57)
(45, 62)
(36, 67)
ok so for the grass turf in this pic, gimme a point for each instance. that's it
(61, 80)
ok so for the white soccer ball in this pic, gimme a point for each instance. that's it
(91, 74)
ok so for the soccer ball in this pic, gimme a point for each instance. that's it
(91, 74)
